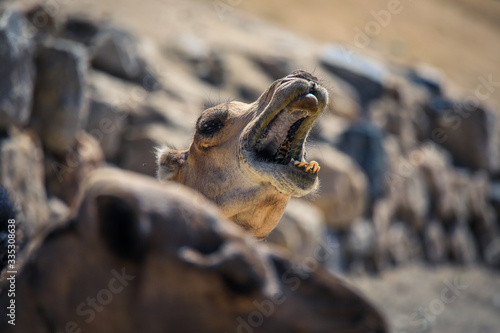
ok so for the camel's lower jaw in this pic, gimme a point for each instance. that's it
(294, 178)
(293, 175)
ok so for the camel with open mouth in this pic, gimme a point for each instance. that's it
(250, 158)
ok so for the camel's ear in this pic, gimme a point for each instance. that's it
(169, 163)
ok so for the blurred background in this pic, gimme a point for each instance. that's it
(409, 205)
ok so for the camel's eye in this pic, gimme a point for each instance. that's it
(210, 126)
(211, 122)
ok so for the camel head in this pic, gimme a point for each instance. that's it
(250, 158)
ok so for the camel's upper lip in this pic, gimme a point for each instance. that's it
(274, 143)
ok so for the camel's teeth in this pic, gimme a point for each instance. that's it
(316, 168)
(309, 167)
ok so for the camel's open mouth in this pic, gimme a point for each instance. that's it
(282, 140)
(275, 145)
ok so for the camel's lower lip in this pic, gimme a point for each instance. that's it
(291, 178)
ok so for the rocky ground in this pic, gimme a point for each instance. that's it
(410, 170)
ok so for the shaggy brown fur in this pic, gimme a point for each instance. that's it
(138, 256)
